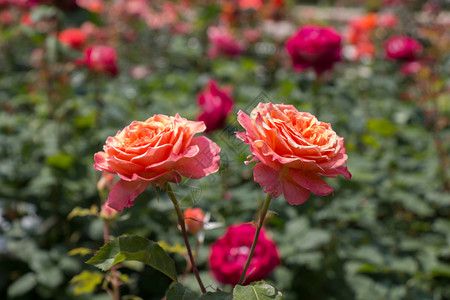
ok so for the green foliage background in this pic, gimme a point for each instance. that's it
(384, 234)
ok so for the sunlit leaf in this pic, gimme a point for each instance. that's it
(134, 248)
(259, 290)
(86, 282)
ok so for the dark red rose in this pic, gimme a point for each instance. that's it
(314, 47)
(216, 103)
(101, 59)
(229, 254)
(403, 48)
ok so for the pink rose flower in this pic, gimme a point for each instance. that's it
(230, 252)
(101, 59)
(216, 104)
(293, 149)
(159, 150)
(314, 47)
(403, 48)
(223, 43)
(72, 37)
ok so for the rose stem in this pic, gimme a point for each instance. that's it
(316, 99)
(115, 294)
(186, 241)
(262, 215)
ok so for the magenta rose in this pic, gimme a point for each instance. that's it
(314, 47)
(216, 103)
(101, 59)
(403, 48)
(229, 254)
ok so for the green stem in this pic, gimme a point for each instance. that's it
(262, 215)
(315, 91)
(186, 240)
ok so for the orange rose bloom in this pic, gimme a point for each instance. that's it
(159, 150)
(293, 149)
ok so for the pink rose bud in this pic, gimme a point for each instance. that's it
(292, 150)
(230, 252)
(72, 37)
(106, 182)
(314, 47)
(101, 59)
(403, 48)
(193, 218)
(107, 212)
(216, 104)
(156, 151)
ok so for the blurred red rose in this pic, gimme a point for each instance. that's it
(216, 104)
(101, 59)
(403, 48)
(230, 252)
(72, 37)
(193, 218)
(314, 47)
(223, 42)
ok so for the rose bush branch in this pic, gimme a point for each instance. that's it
(183, 230)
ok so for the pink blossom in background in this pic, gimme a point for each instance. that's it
(403, 48)
(156, 151)
(216, 103)
(387, 20)
(95, 6)
(223, 43)
(72, 37)
(229, 254)
(314, 47)
(292, 150)
(101, 59)
(411, 67)
(250, 4)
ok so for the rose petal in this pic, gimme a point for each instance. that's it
(124, 192)
(293, 193)
(205, 162)
(268, 178)
(311, 182)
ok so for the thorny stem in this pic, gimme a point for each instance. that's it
(186, 240)
(262, 215)
(115, 283)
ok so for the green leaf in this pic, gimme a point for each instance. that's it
(61, 161)
(22, 285)
(179, 292)
(259, 290)
(381, 126)
(80, 251)
(83, 212)
(86, 282)
(134, 248)
(216, 296)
